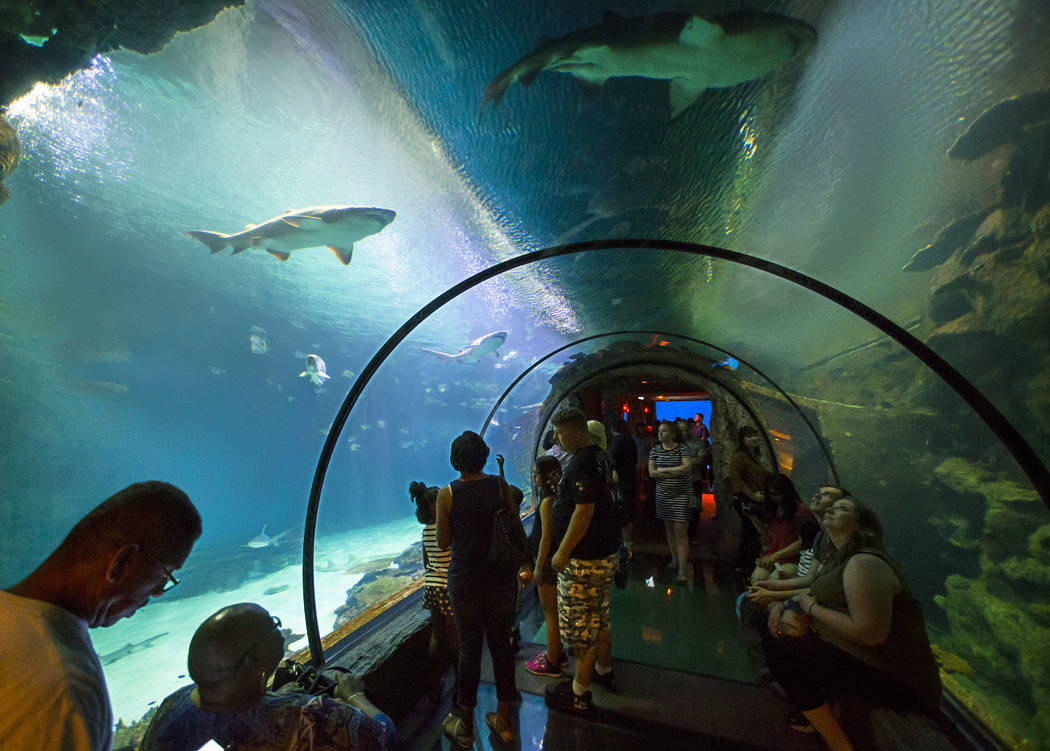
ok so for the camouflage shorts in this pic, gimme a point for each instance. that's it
(583, 599)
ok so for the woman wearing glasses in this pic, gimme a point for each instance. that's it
(232, 656)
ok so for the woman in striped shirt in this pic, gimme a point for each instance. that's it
(669, 465)
(444, 644)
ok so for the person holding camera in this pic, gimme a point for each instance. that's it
(231, 658)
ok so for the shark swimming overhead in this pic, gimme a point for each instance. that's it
(692, 52)
(483, 345)
(334, 227)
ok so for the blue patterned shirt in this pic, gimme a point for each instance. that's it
(285, 721)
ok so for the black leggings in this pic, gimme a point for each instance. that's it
(483, 605)
(810, 669)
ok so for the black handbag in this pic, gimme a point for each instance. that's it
(508, 544)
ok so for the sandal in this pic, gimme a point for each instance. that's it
(501, 731)
(456, 731)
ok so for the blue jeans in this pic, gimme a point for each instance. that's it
(483, 605)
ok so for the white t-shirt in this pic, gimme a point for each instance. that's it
(52, 689)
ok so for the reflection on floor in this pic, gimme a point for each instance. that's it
(684, 674)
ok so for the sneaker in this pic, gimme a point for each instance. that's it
(540, 665)
(561, 696)
(608, 681)
(798, 722)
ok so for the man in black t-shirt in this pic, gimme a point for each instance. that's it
(586, 561)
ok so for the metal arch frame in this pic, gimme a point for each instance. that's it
(676, 366)
(1014, 442)
(774, 384)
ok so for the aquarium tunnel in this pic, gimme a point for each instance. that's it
(841, 238)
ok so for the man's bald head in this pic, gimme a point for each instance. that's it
(221, 643)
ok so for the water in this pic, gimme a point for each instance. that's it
(127, 348)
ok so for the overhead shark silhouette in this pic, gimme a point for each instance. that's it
(337, 227)
(129, 648)
(263, 540)
(484, 345)
(692, 52)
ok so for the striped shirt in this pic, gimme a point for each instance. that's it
(671, 487)
(437, 559)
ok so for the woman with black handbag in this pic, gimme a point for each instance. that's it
(477, 519)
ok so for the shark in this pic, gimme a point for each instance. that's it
(129, 648)
(488, 344)
(334, 227)
(692, 52)
(263, 540)
(315, 370)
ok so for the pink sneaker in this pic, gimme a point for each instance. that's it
(540, 665)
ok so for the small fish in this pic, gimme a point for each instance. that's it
(263, 540)
(275, 590)
(348, 374)
(380, 423)
(365, 427)
(216, 370)
(442, 388)
(298, 355)
(259, 343)
(488, 344)
(334, 227)
(315, 370)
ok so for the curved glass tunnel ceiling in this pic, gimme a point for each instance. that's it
(128, 349)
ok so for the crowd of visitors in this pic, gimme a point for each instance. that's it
(835, 612)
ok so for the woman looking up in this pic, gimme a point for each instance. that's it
(482, 592)
(860, 630)
(669, 465)
(747, 483)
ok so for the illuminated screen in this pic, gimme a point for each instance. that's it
(672, 410)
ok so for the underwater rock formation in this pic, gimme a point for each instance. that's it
(45, 42)
(10, 151)
(379, 585)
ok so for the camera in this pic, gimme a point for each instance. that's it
(307, 680)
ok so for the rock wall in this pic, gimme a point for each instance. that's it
(960, 515)
(71, 32)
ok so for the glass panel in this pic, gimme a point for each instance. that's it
(129, 351)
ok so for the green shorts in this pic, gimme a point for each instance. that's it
(583, 599)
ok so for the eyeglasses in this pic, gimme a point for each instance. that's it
(171, 580)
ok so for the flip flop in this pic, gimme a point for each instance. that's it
(500, 730)
(456, 731)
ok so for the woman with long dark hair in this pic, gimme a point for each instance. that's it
(482, 592)
(858, 631)
(747, 483)
(784, 512)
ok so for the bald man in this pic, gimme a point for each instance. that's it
(232, 656)
(110, 564)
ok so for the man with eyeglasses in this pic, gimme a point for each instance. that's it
(110, 564)
(231, 658)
